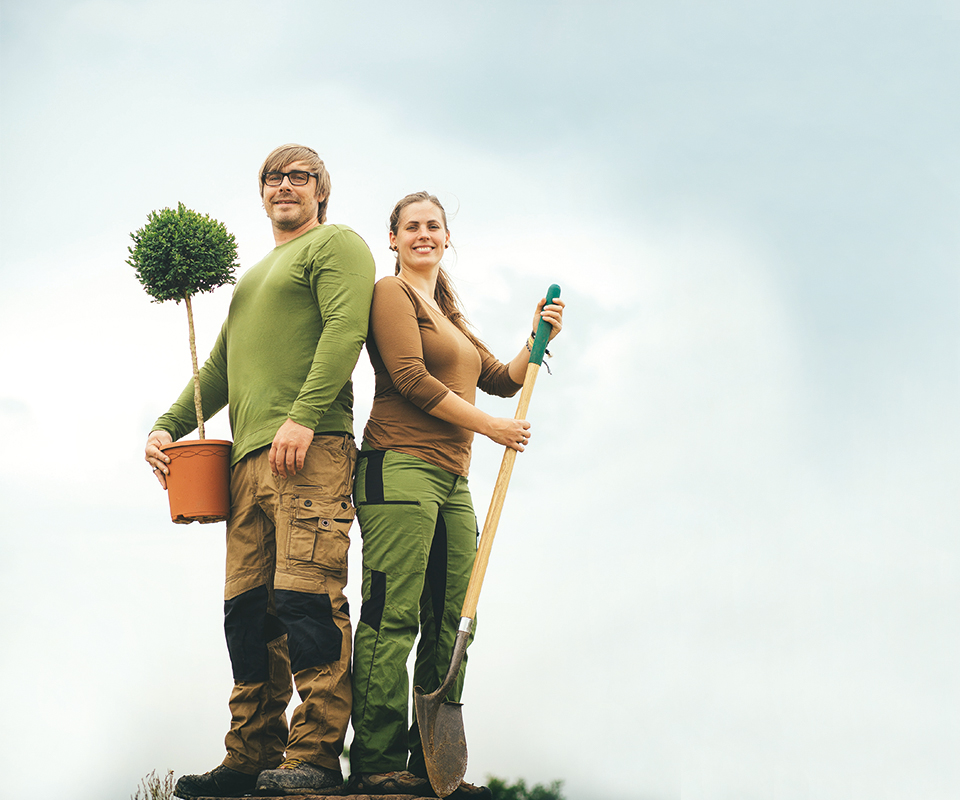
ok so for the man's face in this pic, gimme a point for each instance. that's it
(291, 207)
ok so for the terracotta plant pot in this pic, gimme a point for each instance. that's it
(198, 485)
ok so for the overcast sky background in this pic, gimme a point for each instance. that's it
(728, 566)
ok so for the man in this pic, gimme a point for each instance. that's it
(282, 363)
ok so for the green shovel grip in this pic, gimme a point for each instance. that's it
(543, 329)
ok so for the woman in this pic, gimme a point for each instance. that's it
(416, 517)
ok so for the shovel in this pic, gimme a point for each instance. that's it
(440, 722)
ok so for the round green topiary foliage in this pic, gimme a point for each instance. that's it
(179, 253)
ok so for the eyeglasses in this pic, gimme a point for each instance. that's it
(297, 177)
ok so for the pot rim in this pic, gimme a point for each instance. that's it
(195, 442)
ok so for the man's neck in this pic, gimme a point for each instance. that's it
(282, 236)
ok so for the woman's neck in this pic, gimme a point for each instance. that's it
(424, 284)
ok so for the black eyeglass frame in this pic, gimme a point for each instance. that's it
(287, 175)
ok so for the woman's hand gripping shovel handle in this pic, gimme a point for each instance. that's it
(440, 723)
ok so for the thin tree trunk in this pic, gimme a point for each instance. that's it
(196, 370)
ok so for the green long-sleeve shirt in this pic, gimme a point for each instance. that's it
(296, 324)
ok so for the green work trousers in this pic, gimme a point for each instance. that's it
(419, 542)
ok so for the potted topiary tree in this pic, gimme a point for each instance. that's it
(176, 255)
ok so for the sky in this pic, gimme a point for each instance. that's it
(728, 564)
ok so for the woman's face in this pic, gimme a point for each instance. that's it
(421, 236)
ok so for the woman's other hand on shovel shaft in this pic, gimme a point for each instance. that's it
(513, 433)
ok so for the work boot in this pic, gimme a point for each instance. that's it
(219, 782)
(399, 782)
(406, 782)
(295, 776)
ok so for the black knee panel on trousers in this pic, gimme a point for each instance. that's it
(371, 612)
(313, 635)
(248, 628)
(436, 578)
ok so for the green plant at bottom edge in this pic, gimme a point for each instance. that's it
(501, 790)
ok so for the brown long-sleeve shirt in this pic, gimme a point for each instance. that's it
(418, 355)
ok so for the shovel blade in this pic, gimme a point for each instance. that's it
(443, 739)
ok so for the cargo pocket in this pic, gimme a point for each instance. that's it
(319, 533)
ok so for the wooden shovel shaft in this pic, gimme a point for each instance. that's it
(469, 610)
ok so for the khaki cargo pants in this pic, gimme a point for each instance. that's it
(284, 607)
